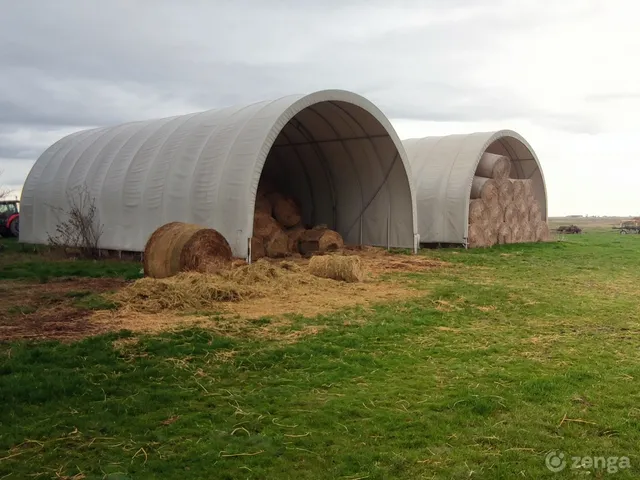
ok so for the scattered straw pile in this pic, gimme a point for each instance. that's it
(197, 291)
(347, 268)
(184, 291)
(502, 210)
(178, 247)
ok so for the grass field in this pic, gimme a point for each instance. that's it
(505, 355)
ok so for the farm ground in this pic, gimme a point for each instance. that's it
(489, 361)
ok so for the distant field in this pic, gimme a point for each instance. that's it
(492, 361)
(587, 222)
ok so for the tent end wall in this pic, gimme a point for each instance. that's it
(443, 173)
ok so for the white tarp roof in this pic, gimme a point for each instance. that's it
(204, 168)
(443, 170)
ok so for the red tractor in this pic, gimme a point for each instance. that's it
(9, 218)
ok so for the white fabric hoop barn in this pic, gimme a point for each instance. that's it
(443, 170)
(339, 153)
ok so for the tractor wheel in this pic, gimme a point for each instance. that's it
(15, 227)
(623, 232)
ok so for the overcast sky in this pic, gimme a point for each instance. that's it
(563, 73)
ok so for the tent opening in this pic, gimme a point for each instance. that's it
(342, 167)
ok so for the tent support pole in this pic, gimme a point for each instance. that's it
(388, 225)
(249, 250)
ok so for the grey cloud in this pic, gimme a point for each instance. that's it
(74, 64)
(225, 52)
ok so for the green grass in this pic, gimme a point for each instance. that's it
(91, 301)
(510, 353)
(20, 261)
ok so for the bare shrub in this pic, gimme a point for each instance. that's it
(78, 227)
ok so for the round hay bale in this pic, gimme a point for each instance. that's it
(541, 231)
(154, 257)
(535, 215)
(484, 188)
(286, 211)
(206, 251)
(263, 205)
(493, 212)
(264, 225)
(528, 233)
(529, 200)
(165, 254)
(347, 268)
(491, 233)
(317, 240)
(511, 213)
(477, 211)
(257, 249)
(504, 234)
(493, 166)
(277, 245)
(516, 232)
(518, 190)
(476, 236)
(523, 210)
(294, 234)
(505, 191)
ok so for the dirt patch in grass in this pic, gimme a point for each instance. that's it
(60, 323)
(17, 293)
(54, 310)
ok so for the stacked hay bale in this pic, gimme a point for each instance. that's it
(278, 230)
(502, 210)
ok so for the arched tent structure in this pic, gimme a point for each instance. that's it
(332, 149)
(443, 170)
